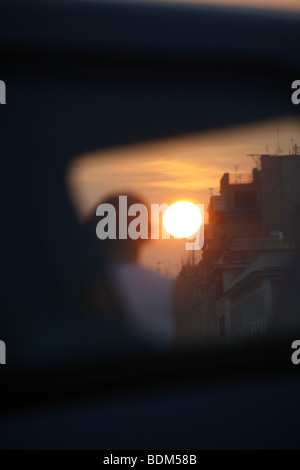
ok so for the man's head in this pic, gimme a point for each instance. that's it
(122, 225)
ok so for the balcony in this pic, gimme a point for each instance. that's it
(240, 178)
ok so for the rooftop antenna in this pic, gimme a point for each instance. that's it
(236, 167)
(278, 151)
(168, 269)
(210, 191)
(293, 148)
(255, 157)
(182, 260)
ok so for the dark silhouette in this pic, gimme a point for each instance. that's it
(146, 296)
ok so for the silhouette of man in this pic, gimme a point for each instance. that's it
(146, 296)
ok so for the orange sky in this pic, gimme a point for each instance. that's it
(165, 171)
(265, 4)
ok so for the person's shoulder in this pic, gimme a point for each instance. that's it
(140, 275)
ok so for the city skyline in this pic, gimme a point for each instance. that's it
(179, 168)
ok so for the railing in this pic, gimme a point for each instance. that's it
(240, 178)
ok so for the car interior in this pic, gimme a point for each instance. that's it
(104, 83)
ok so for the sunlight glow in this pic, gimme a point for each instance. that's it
(182, 219)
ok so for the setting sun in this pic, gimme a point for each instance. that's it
(182, 219)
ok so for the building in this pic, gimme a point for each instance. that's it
(250, 242)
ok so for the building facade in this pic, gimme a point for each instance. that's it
(250, 241)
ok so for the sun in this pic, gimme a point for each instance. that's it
(182, 219)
